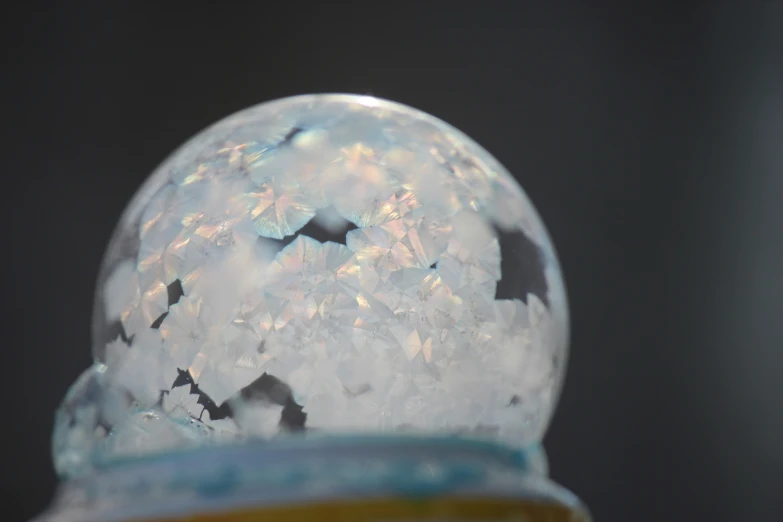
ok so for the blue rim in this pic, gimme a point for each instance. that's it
(268, 451)
(312, 468)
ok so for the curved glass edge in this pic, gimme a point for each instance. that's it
(306, 470)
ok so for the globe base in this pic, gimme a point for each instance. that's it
(330, 477)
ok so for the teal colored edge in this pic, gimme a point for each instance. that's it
(314, 467)
(516, 458)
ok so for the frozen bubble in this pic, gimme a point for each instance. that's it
(334, 262)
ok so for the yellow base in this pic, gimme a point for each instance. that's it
(397, 510)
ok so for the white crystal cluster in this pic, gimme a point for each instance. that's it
(397, 327)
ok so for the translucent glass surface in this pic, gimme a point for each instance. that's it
(327, 263)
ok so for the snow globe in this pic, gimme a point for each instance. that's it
(322, 307)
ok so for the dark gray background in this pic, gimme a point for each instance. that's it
(649, 139)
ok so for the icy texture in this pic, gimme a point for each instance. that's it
(218, 317)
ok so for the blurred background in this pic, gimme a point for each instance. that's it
(650, 140)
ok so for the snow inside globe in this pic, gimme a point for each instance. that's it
(320, 264)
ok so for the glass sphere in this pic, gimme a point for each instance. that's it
(322, 263)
